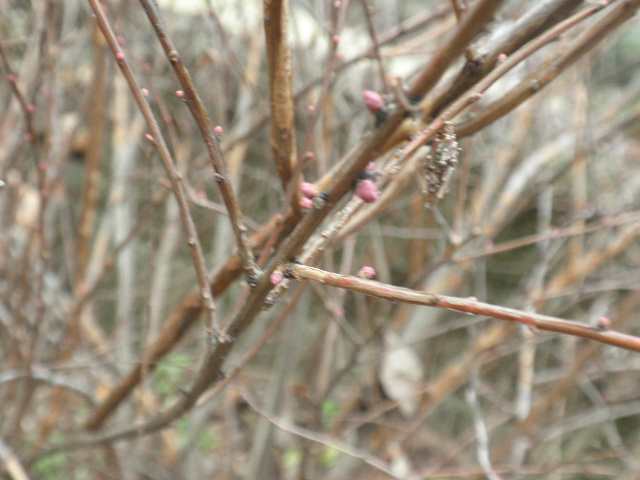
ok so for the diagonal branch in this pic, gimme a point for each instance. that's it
(210, 138)
(534, 22)
(174, 175)
(470, 25)
(549, 71)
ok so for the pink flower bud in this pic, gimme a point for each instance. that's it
(218, 130)
(337, 4)
(276, 277)
(373, 100)
(371, 166)
(179, 94)
(367, 272)
(306, 203)
(12, 78)
(309, 155)
(367, 190)
(311, 108)
(502, 57)
(309, 190)
(336, 38)
(144, 92)
(604, 323)
(120, 56)
(148, 136)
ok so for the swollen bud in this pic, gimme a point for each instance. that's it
(367, 190)
(276, 277)
(373, 100)
(367, 272)
(309, 190)
(306, 203)
(604, 323)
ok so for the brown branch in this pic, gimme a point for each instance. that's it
(466, 305)
(176, 326)
(337, 183)
(551, 69)
(471, 24)
(539, 19)
(553, 234)
(409, 26)
(283, 137)
(628, 308)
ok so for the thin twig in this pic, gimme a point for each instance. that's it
(472, 22)
(466, 305)
(375, 48)
(175, 177)
(323, 439)
(537, 80)
(211, 139)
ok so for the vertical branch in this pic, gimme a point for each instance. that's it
(283, 138)
(92, 158)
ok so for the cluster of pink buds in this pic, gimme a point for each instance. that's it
(309, 192)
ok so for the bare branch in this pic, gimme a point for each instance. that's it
(466, 305)
(211, 139)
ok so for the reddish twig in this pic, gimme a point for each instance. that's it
(175, 176)
(467, 305)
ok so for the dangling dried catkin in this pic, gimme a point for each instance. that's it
(439, 164)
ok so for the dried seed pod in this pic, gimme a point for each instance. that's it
(439, 164)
